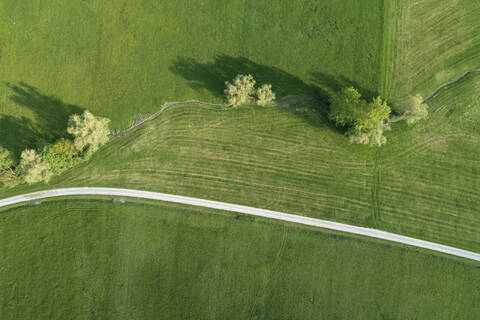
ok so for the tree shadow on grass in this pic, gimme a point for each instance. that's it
(212, 76)
(49, 123)
(330, 84)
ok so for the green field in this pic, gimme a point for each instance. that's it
(94, 259)
(427, 43)
(124, 57)
(424, 183)
(80, 259)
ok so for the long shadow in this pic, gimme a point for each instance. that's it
(49, 123)
(212, 76)
(330, 84)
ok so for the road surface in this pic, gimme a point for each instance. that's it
(373, 233)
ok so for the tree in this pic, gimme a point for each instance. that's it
(347, 108)
(373, 137)
(365, 121)
(6, 160)
(241, 91)
(8, 176)
(59, 156)
(414, 109)
(89, 131)
(265, 95)
(32, 168)
(64, 147)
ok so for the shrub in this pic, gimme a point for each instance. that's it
(373, 137)
(6, 159)
(59, 156)
(265, 95)
(32, 168)
(8, 176)
(89, 131)
(64, 147)
(241, 91)
(414, 109)
(347, 108)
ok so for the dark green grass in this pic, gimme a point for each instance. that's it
(123, 57)
(424, 183)
(84, 259)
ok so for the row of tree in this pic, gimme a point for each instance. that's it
(364, 122)
(88, 132)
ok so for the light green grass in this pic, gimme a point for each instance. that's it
(424, 183)
(80, 259)
(428, 43)
(123, 57)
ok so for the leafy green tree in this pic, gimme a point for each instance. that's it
(89, 131)
(32, 168)
(8, 175)
(64, 147)
(365, 121)
(241, 91)
(265, 95)
(373, 137)
(347, 108)
(6, 159)
(59, 156)
(414, 109)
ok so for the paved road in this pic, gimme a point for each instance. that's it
(245, 210)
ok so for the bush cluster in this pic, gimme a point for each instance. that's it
(88, 132)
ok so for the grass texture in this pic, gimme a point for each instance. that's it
(126, 57)
(94, 259)
(423, 183)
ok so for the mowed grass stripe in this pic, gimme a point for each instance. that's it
(430, 42)
(414, 185)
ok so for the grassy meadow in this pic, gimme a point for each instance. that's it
(94, 259)
(121, 58)
(423, 183)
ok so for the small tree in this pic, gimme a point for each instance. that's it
(241, 91)
(265, 95)
(6, 160)
(373, 137)
(32, 168)
(64, 147)
(8, 176)
(59, 156)
(89, 131)
(346, 107)
(414, 109)
(365, 121)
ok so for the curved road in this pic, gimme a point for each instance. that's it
(245, 210)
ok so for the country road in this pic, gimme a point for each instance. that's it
(245, 210)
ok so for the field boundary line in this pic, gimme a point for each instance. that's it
(325, 224)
